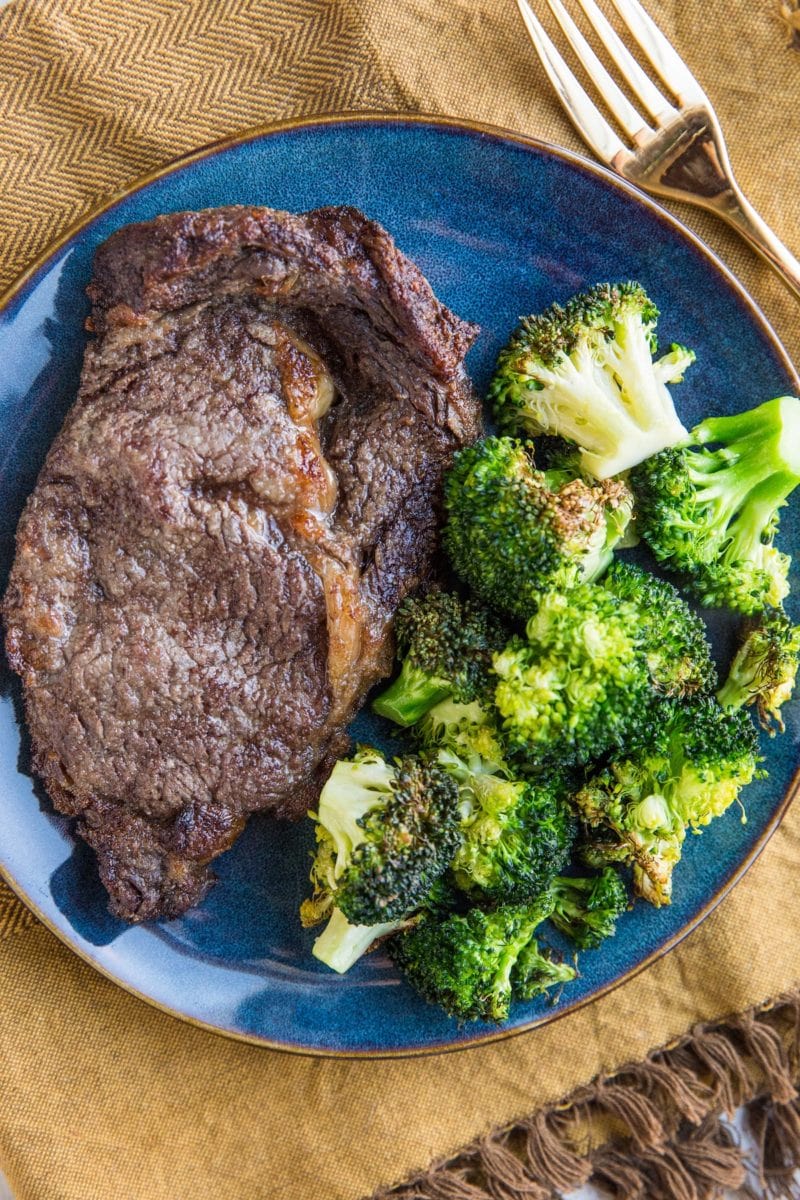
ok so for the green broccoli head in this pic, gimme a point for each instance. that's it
(516, 835)
(585, 372)
(513, 532)
(693, 769)
(445, 645)
(385, 833)
(473, 964)
(578, 684)
(712, 515)
(714, 753)
(674, 638)
(470, 730)
(764, 669)
(587, 909)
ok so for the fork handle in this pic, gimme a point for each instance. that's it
(737, 210)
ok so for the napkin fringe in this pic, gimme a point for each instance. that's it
(653, 1130)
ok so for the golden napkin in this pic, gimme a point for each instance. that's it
(101, 1096)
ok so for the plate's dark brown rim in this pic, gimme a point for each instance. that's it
(607, 176)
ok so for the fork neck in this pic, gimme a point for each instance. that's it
(734, 208)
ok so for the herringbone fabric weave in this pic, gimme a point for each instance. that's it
(102, 1097)
(94, 94)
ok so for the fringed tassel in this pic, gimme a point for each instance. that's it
(653, 1130)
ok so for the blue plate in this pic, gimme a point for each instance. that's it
(501, 225)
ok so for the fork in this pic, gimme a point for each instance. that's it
(680, 151)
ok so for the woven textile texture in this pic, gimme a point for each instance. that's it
(101, 1096)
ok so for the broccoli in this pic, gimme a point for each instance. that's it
(474, 964)
(713, 514)
(445, 644)
(587, 910)
(513, 532)
(764, 669)
(341, 943)
(576, 686)
(469, 730)
(585, 372)
(385, 833)
(674, 638)
(516, 835)
(691, 772)
(599, 664)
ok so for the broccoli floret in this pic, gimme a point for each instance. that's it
(578, 684)
(513, 532)
(473, 965)
(713, 514)
(585, 372)
(764, 669)
(692, 771)
(587, 909)
(674, 638)
(516, 835)
(469, 730)
(385, 833)
(445, 645)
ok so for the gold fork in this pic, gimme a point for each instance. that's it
(680, 151)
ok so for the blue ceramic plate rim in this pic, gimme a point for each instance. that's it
(39, 267)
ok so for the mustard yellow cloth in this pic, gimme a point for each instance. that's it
(100, 1095)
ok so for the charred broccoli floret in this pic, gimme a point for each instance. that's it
(587, 909)
(585, 371)
(385, 833)
(515, 835)
(764, 669)
(713, 514)
(692, 771)
(673, 637)
(445, 645)
(513, 532)
(473, 965)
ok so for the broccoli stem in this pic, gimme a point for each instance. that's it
(770, 432)
(341, 944)
(760, 456)
(411, 695)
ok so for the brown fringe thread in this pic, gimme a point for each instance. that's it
(654, 1130)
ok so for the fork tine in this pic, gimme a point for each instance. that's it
(667, 62)
(627, 116)
(584, 114)
(657, 105)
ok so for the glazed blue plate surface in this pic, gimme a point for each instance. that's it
(501, 226)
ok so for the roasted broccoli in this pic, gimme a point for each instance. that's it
(470, 730)
(385, 833)
(474, 964)
(513, 532)
(585, 371)
(764, 669)
(516, 835)
(673, 637)
(587, 909)
(713, 514)
(445, 645)
(691, 772)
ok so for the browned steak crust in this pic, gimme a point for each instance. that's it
(242, 493)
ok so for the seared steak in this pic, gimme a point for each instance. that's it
(244, 490)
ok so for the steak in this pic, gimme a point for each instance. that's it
(244, 490)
